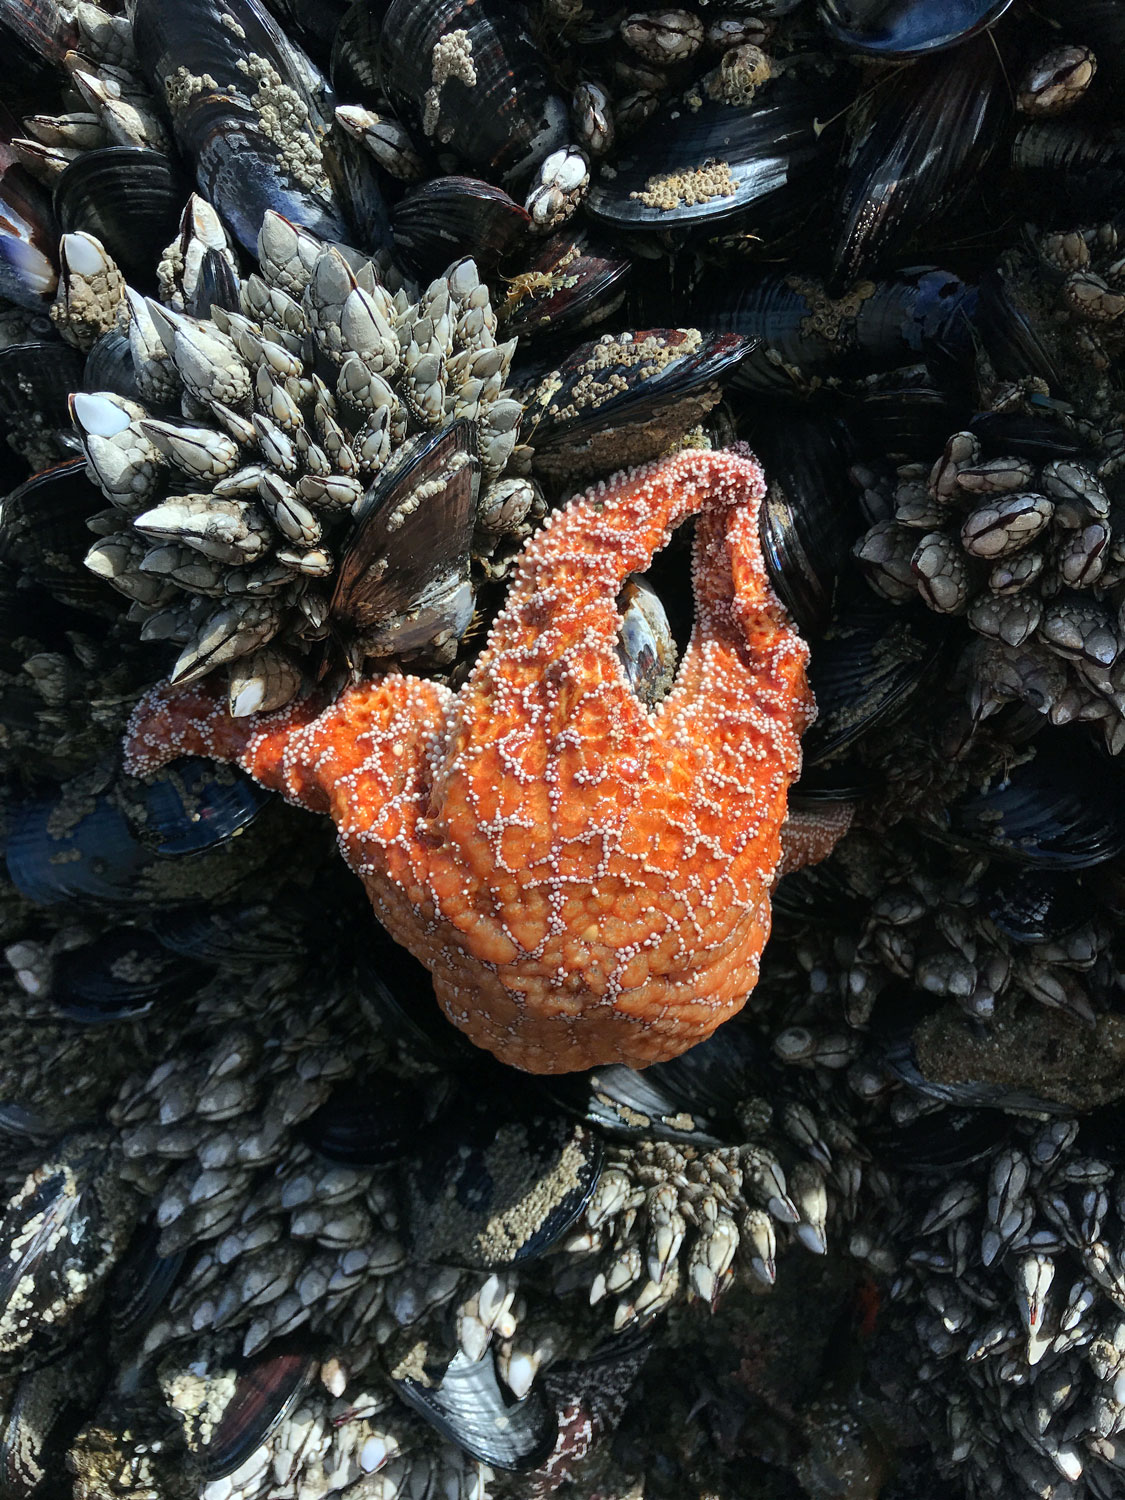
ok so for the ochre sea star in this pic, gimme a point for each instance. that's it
(587, 880)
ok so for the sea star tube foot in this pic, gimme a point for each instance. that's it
(588, 880)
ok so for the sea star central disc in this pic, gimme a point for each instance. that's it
(587, 880)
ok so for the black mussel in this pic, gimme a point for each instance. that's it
(809, 516)
(626, 398)
(35, 36)
(316, 22)
(42, 1416)
(904, 28)
(467, 1404)
(816, 894)
(28, 240)
(373, 1123)
(195, 805)
(218, 286)
(496, 1185)
(356, 67)
(396, 992)
(128, 198)
(266, 1388)
(122, 973)
(109, 367)
(93, 855)
(43, 526)
(1038, 437)
(868, 667)
(944, 1141)
(906, 414)
(694, 1097)
(1061, 807)
(574, 282)
(248, 155)
(1011, 330)
(60, 1236)
(1033, 906)
(34, 412)
(804, 336)
(403, 585)
(237, 937)
(447, 218)
(918, 141)
(933, 1049)
(142, 1280)
(702, 165)
(1069, 172)
(105, 846)
(466, 74)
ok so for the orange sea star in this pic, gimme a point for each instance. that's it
(588, 881)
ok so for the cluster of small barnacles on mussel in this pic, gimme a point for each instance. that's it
(311, 316)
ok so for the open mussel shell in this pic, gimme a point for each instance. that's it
(471, 1408)
(1062, 807)
(122, 973)
(867, 668)
(622, 400)
(127, 197)
(575, 282)
(43, 525)
(447, 218)
(702, 166)
(905, 28)
(499, 113)
(496, 1186)
(404, 574)
(917, 142)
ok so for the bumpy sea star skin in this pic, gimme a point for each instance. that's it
(587, 880)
